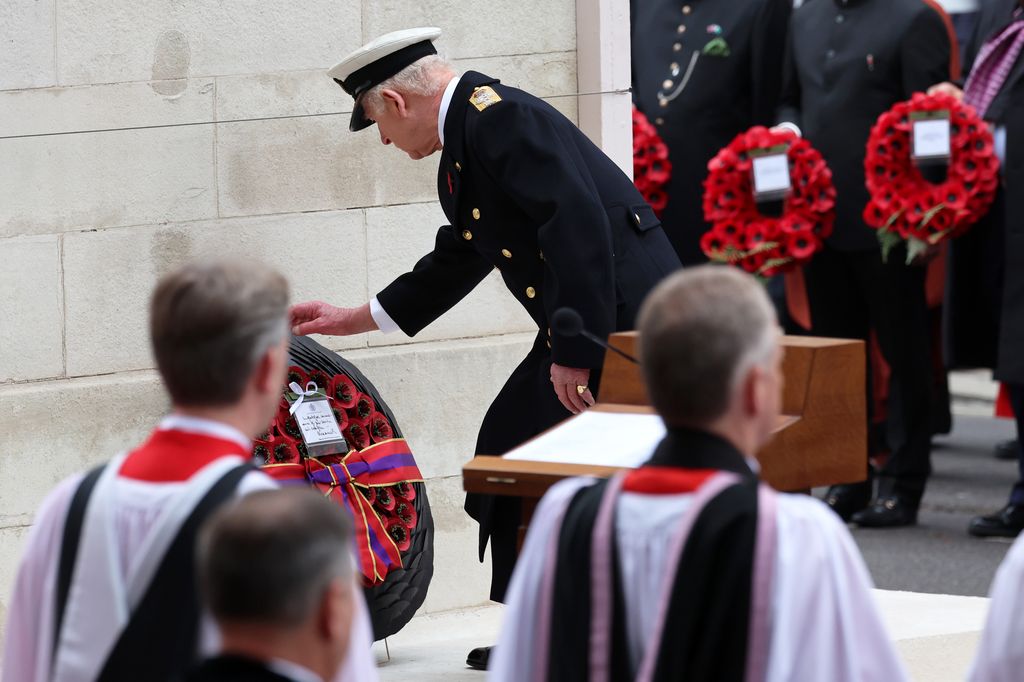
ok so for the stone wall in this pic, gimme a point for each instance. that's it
(212, 129)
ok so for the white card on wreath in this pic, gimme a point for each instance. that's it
(771, 175)
(931, 138)
(317, 423)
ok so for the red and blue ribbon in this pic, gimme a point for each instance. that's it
(383, 464)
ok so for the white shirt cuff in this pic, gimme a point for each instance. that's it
(381, 317)
(787, 125)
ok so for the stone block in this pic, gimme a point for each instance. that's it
(32, 309)
(281, 94)
(57, 428)
(543, 75)
(460, 580)
(27, 34)
(102, 107)
(53, 184)
(481, 28)
(321, 253)
(440, 391)
(300, 93)
(314, 164)
(398, 236)
(109, 41)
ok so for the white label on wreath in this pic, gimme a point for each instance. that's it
(317, 423)
(771, 175)
(931, 138)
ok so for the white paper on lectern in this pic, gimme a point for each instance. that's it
(597, 438)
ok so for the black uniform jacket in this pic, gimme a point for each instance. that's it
(528, 193)
(847, 62)
(984, 320)
(699, 101)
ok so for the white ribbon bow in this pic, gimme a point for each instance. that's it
(297, 390)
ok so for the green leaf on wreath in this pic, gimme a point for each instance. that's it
(888, 241)
(931, 213)
(915, 247)
(938, 236)
(769, 264)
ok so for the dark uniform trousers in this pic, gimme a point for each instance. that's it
(984, 324)
(853, 292)
(527, 193)
(847, 62)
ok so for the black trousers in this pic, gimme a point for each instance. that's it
(852, 293)
(1016, 394)
(525, 406)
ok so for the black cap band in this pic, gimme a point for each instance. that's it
(375, 73)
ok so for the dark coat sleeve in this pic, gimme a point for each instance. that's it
(438, 281)
(789, 100)
(767, 54)
(532, 157)
(925, 52)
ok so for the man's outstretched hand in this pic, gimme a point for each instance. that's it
(317, 317)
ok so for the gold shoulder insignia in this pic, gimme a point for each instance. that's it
(484, 97)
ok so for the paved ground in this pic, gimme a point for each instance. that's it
(938, 556)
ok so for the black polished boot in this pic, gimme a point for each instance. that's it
(479, 658)
(1008, 449)
(847, 499)
(1008, 522)
(888, 512)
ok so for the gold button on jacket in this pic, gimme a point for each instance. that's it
(530, 292)
(467, 235)
(506, 253)
(476, 214)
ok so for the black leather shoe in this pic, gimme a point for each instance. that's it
(887, 512)
(848, 498)
(478, 658)
(1008, 522)
(1008, 449)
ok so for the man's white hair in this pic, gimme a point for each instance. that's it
(423, 77)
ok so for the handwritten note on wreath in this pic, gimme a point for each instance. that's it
(317, 422)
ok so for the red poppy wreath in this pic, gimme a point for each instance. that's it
(904, 206)
(651, 167)
(740, 233)
(373, 480)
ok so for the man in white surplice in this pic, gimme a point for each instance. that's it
(219, 336)
(783, 595)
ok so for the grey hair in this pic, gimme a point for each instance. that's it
(210, 323)
(419, 78)
(701, 331)
(269, 557)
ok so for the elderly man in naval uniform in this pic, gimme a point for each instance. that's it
(527, 193)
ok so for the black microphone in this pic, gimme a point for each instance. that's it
(567, 322)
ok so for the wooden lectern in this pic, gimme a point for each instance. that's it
(821, 438)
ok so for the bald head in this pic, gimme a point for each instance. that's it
(701, 330)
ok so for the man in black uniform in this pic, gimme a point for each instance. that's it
(703, 72)
(847, 62)
(525, 192)
(985, 297)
